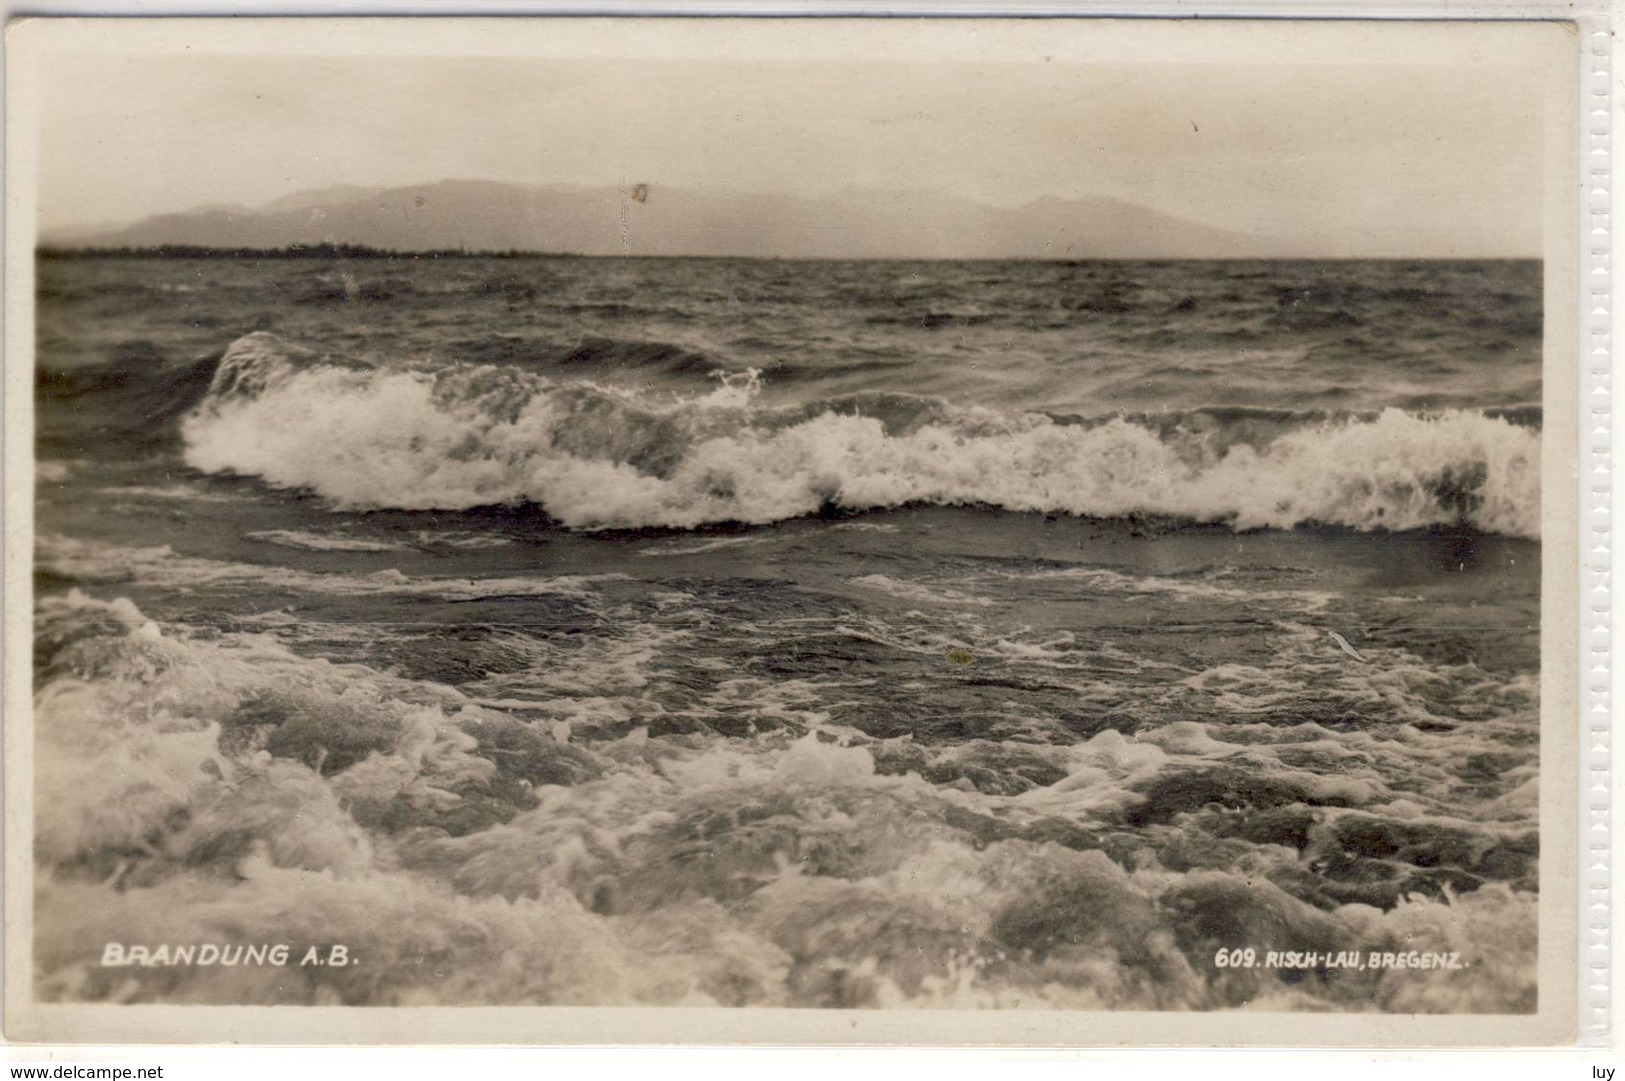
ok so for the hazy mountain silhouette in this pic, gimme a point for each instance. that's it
(657, 220)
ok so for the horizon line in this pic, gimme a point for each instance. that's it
(341, 251)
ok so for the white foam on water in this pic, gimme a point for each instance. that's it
(205, 781)
(92, 561)
(597, 457)
(457, 539)
(1193, 589)
(320, 542)
(169, 492)
(919, 592)
(689, 548)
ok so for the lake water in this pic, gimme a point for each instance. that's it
(608, 632)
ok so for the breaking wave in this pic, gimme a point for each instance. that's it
(204, 782)
(599, 456)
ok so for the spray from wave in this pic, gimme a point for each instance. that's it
(596, 456)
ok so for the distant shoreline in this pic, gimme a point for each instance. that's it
(290, 251)
(364, 252)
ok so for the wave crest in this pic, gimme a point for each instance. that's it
(597, 457)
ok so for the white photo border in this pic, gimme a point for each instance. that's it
(1597, 950)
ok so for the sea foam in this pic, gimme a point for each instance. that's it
(597, 457)
(210, 781)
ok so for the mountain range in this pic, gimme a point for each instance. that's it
(652, 219)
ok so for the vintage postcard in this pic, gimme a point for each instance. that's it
(884, 531)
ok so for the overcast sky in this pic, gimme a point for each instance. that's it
(1424, 147)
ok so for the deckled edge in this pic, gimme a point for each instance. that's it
(1596, 304)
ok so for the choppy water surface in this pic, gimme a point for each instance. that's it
(827, 635)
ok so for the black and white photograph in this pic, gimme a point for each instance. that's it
(848, 517)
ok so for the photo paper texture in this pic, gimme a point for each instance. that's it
(855, 530)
